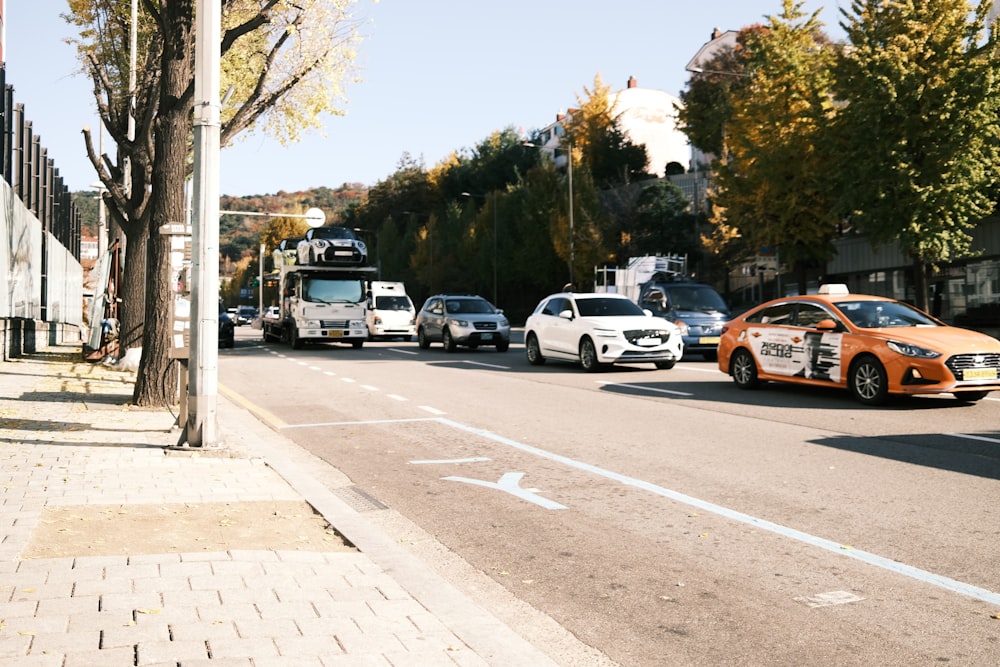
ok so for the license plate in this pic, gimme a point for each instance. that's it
(486, 336)
(708, 340)
(979, 374)
(649, 341)
(334, 334)
(343, 253)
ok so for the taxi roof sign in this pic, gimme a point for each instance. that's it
(834, 288)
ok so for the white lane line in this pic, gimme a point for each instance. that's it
(359, 423)
(479, 363)
(348, 380)
(397, 350)
(829, 545)
(714, 371)
(368, 387)
(433, 411)
(473, 459)
(315, 368)
(330, 373)
(641, 388)
(397, 397)
(973, 437)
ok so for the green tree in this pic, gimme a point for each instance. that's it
(707, 103)
(917, 131)
(594, 131)
(287, 64)
(662, 223)
(772, 183)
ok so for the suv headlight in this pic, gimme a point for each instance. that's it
(910, 350)
(683, 327)
(464, 324)
(606, 333)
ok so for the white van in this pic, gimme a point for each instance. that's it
(390, 312)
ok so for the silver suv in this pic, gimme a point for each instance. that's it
(462, 320)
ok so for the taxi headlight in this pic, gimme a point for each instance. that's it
(910, 350)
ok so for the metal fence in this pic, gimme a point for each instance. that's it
(42, 295)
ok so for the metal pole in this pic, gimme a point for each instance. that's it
(494, 247)
(569, 175)
(260, 283)
(202, 424)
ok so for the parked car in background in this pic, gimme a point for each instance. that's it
(870, 345)
(245, 315)
(227, 328)
(332, 245)
(456, 320)
(597, 329)
(272, 312)
(697, 309)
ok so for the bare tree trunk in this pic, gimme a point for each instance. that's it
(156, 382)
(132, 293)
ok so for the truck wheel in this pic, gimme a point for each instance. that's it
(296, 341)
(357, 344)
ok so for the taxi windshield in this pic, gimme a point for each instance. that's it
(882, 314)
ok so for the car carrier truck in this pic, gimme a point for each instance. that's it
(318, 303)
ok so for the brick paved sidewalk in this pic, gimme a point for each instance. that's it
(68, 440)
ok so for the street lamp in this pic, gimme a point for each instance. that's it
(569, 180)
(469, 194)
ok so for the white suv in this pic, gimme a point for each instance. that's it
(595, 330)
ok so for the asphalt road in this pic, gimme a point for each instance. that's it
(665, 517)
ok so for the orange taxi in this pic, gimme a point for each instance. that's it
(871, 345)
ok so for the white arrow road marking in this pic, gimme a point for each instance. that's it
(511, 483)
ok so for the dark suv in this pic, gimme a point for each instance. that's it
(462, 320)
(696, 308)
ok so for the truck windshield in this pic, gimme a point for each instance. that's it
(331, 290)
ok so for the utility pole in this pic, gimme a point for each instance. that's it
(203, 369)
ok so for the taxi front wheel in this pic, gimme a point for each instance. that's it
(869, 383)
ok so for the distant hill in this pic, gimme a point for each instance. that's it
(238, 234)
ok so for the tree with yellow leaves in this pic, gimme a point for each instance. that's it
(285, 63)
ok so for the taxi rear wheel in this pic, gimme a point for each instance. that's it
(868, 380)
(744, 370)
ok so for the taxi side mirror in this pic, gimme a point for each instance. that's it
(826, 325)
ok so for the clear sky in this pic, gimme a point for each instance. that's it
(438, 76)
